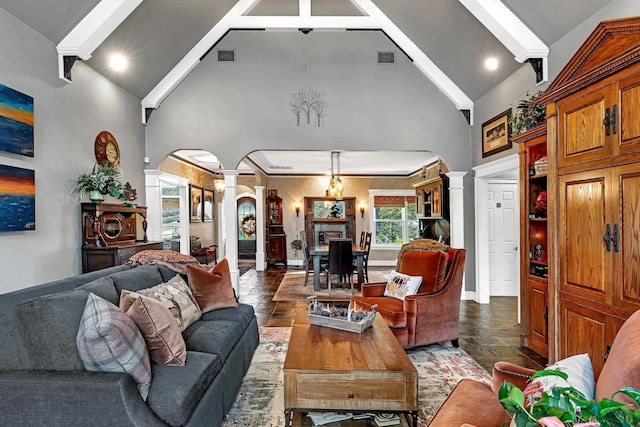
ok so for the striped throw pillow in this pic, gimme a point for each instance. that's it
(109, 341)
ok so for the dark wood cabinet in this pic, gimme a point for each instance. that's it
(276, 239)
(111, 233)
(534, 289)
(97, 258)
(593, 122)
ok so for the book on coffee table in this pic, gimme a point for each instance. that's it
(322, 418)
(386, 419)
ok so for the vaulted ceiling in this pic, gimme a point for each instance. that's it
(157, 34)
(448, 40)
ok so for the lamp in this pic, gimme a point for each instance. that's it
(297, 206)
(218, 180)
(362, 210)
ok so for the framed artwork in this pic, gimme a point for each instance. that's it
(17, 199)
(207, 211)
(16, 122)
(196, 203)
(496, 134)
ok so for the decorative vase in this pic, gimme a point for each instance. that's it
(95, 196)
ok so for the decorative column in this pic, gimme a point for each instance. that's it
(153, 199)
(456, 209)
(231, 226)
(260, 228)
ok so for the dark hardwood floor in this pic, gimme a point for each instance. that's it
(488, 332)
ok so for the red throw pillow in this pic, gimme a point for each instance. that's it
(213, 289)
(431, 265)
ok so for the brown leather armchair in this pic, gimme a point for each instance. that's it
(433, 314)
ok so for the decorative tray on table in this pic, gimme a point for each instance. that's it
(343, 318)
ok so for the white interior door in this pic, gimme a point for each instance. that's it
(503, 238)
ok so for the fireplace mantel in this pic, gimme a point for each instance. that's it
(313, 225)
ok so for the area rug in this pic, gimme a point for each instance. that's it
(292, 287)
(260, 400)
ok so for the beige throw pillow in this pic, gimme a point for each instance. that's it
(158, 327)
(177, 297)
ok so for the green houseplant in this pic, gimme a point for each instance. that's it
(296, 245)
(528, 114)
(102, 180)
(566, 406)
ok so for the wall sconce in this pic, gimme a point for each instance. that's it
(297, 206)
(362, 211)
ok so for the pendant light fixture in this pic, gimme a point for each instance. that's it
(218, 180)
(336, 187)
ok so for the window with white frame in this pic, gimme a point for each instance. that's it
(394, 218)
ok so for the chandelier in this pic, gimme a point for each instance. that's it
(336, 187)
(218, 179)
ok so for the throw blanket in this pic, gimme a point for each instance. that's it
(421, 245)
(171, 259)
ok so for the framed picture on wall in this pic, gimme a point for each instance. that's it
(196, 203)
(16, 122)
(496, 134)
(207, 207)
(18, 201)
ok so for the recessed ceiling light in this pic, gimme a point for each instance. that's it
(491, 63)
(118, 62)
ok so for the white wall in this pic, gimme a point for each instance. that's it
(232, 109)
(67, 120)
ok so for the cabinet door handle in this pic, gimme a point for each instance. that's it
(614, 237)
(607, 121)
(614, 119)
(607, 237)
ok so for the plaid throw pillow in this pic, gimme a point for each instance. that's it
(109, 341)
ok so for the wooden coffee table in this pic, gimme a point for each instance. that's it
(332, 370)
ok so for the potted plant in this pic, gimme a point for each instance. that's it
(296, 245)
(128, 195)
(102, 180)
(566, 406)
(528, 114)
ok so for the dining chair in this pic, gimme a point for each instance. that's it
(340, 261)
(308, 262)
(329, 235)
(365, 245)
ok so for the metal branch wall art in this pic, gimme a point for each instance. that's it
(308, 103)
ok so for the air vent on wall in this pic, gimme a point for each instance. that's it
(226, 55)
(280, 167)
(386, 58)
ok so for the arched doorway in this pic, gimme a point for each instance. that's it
(246, 208)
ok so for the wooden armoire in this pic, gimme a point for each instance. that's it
(593, 133)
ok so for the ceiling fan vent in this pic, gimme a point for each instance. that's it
(386, 58)
(226, 55)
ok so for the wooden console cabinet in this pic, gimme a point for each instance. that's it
(593, 124)
(111, 233)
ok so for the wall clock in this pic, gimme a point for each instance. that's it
(107, 150)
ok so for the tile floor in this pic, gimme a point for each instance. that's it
(488, 332)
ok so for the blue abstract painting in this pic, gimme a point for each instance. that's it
(17, 199)
(16, 122)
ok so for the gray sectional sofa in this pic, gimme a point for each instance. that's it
(43, 382)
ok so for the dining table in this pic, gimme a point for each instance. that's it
(321, 250)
